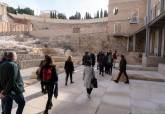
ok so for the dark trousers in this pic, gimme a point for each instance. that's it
(109, 68)
(101, 68)
(120, 73)
(89, 90)
(49, 89)
(67, 76)
(106, 68)
(8, 103)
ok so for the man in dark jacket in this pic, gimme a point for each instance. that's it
(3, 58)
(11, 85)
(93, 59)
(123, 65)
(85, 58)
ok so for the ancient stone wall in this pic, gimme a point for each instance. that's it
(28, 60)
(79, 36)
(7, 27)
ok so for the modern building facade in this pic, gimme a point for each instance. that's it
(154, 32)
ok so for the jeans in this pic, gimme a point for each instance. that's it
(7, 103)
(101, 68)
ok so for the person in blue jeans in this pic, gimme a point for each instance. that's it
(11, 85)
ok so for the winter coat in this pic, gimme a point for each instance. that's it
(88, 75)
(69, 67)
(10, 78)
(123, 64)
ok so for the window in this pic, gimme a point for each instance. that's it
(134, 18)
(76, 30)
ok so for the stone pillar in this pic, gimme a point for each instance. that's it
(148, 11)
(134, 43)
(163, 42)
(147, 45)
(128, 43)
(160, 42)
(162, 5)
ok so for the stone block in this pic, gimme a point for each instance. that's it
(161, 69)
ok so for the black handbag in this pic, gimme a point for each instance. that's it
(94, 83)
(56, 90)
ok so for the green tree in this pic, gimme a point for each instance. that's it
(76, 16)
(11, 10)
(98, 15)
(101, 13)
(26, 10)
(72, 17)
(51, 14)
(55, 14)
(105, 13)
(61, 16)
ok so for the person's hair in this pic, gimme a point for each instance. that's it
(48, 60)
(9, 55)
(69, 58)
(122, 56)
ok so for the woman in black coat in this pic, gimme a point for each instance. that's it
(69, 69)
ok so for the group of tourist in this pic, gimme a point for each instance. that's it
(106, 61)
(12, 86)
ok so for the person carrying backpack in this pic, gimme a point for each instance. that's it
(49, 79)
(42, 63)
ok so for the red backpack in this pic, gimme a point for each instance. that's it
(47, 74)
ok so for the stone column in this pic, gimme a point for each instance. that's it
(162, 5)
(134, 43)
(163, 42)
(160, 42)
(128, 43)
(147, 45)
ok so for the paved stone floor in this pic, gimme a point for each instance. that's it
(138, 97)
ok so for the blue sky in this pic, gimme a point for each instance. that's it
(69, 7)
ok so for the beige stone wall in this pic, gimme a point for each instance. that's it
(29, 60)
(126, 8)
(119, 25)
(90, 36)
(6, 27)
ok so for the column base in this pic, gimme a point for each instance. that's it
(152, 61)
